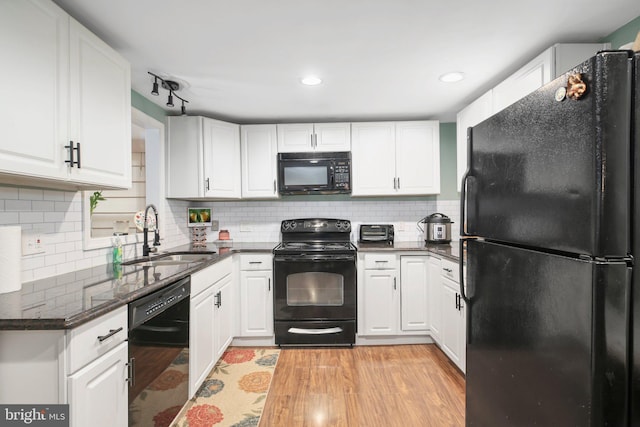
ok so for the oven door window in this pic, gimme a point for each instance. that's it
(315, 288)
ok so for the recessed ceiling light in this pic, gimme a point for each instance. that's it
(311, 81)
(452, 77)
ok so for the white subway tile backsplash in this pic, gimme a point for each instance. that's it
(30, 194)
(17, 205)
(58, 216)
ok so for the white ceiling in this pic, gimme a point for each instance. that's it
(241, 60)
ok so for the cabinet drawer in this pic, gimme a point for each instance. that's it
(256, 262)
(380, 261)
(450, 269)
(201, 280)
(93, 339)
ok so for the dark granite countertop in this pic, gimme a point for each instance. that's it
(450, 251)
(69, 300)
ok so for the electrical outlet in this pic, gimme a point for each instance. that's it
(400, 226)
(215, 225)
(32, 243)
(245, 227)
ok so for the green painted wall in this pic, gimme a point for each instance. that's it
(448, 163)
(623, 35)
(143, 104)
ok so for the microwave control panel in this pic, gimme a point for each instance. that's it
(342, 175)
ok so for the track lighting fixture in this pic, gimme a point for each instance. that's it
(172, 87)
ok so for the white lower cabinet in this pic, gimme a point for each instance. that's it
(380, 302)
(435, 292)
(98, 393)
(223, 325)
(453, 336)
(211, 323)
(414, 290)
(256, 298)
(201, 340)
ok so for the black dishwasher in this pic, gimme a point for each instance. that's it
(159, 355)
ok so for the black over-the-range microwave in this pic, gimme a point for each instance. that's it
(314, 173)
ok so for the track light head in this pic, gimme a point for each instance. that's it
(154, 91)
(183, 108)
(170, 99)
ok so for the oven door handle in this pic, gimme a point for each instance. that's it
(315, 258)
(301, 331)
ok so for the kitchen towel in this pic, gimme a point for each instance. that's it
(10, 259)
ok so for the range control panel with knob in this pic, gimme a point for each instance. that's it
(315, 226)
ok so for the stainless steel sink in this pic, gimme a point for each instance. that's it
(171, 259)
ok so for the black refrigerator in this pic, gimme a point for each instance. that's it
(550, 228)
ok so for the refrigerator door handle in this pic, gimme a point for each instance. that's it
(463, 219)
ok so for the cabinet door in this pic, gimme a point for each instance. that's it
(221, 159)
(332, 136)
(462, 364)
(533, 75)
(256, 304)
(201, 339)
(414, 290)
(451, 321)
(98, 393)
(417, 158)
(471, 115)
(294, 138)
(185, 163)
(380, 302)
(373, 158)
(259, 149)
(100, 105)
(435, 305)
(223, 317)
(34, 43)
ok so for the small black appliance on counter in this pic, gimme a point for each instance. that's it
(376, 233)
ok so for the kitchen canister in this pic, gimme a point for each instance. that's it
(10, 259)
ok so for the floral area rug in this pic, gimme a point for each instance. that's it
(234, 393)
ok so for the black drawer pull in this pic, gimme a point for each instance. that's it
(111, 333)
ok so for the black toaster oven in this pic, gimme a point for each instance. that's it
(376, 233)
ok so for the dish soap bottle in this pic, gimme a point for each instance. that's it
(117, 250)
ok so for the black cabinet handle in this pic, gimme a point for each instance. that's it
(111, 333)
(207, 184)
(394, 284)
(131, 372)
(269, 288)
(72, 148)
(218, 303)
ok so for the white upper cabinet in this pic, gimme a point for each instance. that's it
(259, 150)
(471, 115)
(395, 158)
(203, 159)
(65, 85)
(100, 110)
(417, 158)
(542, 69)
(304, 137)
(221, 159)
(35, 58)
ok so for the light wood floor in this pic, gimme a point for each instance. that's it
(408, 385)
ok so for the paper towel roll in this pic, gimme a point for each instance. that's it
(10, 259)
